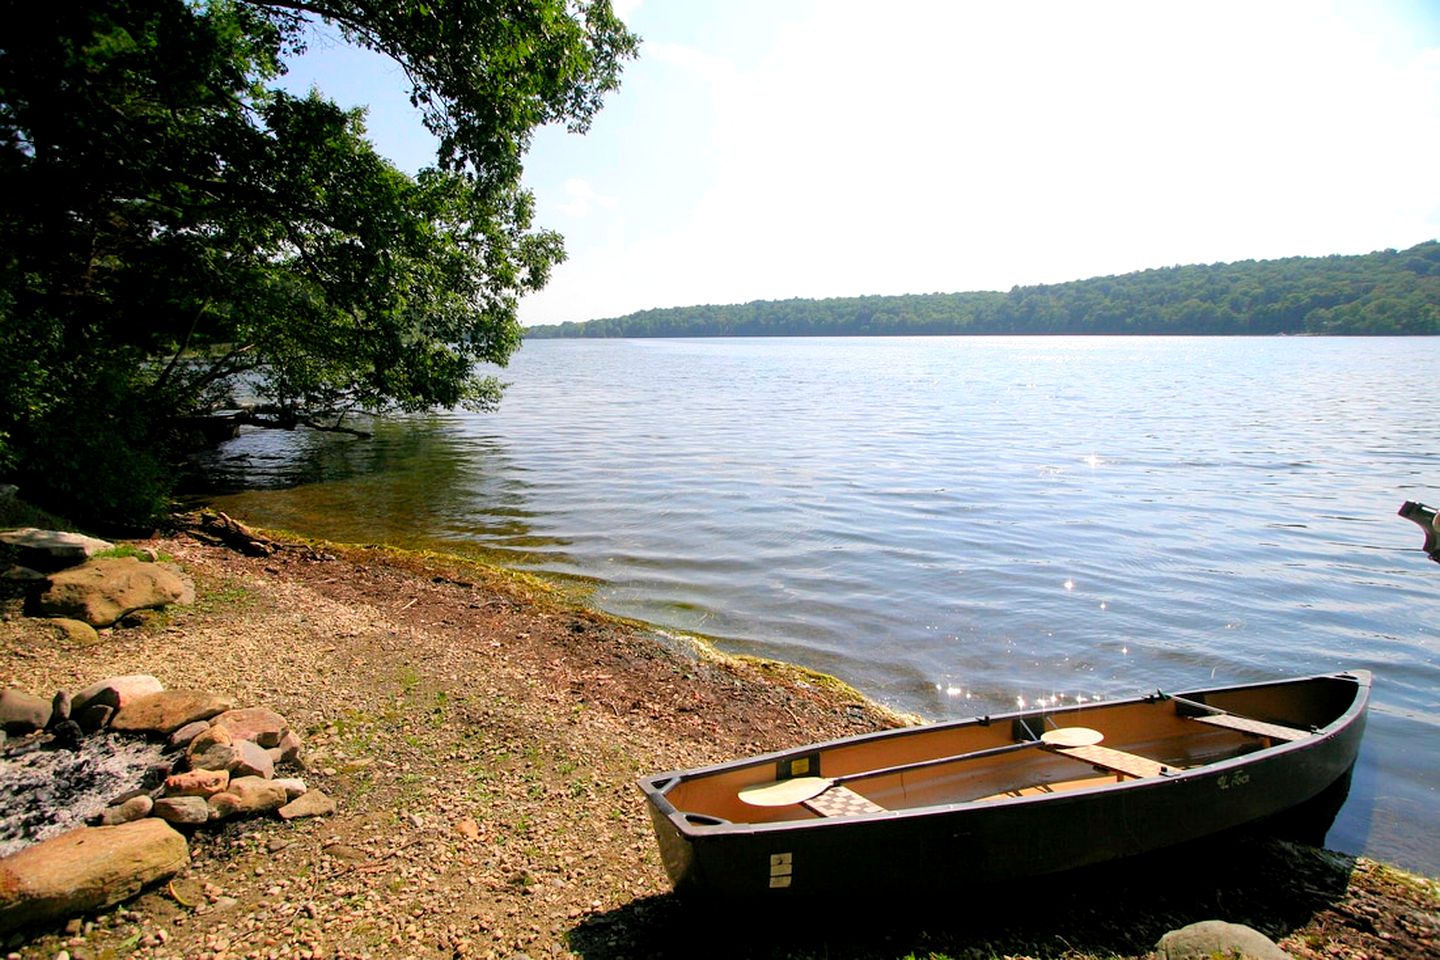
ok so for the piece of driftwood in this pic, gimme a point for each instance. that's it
(221, 530)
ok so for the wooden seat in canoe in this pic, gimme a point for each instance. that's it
(841, 801)
(1116, 761)
(1257, 728)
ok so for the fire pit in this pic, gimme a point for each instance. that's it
(47, 788)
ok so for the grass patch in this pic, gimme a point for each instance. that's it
(225, 593)
(130, 550)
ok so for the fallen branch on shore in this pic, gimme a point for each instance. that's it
(219, 529)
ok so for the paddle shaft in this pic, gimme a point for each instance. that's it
(1198, 705)
(936, 761)
(821, 784)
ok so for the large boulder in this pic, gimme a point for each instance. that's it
(102, 591)
(167, 711)
(53, 549)
(1216, 938)
(87, 869)
(116, 692)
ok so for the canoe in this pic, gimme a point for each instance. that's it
(1006, 796)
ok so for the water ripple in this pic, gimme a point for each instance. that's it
(955, 525)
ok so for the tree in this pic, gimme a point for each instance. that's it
(172, 227)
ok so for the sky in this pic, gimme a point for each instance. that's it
(769, 149)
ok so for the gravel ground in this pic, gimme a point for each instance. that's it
(482, 737)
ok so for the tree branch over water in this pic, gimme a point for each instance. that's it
(163, 203)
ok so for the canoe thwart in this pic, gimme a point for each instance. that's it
(1257, 728)
(1118, 761)
(841, 801)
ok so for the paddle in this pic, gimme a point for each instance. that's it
(783, 793)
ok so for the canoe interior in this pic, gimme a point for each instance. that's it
(1146, 732)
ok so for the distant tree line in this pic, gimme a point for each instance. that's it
(1384, 293)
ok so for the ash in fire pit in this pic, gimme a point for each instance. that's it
(47, 789)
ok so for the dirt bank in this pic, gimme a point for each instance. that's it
(482, 739)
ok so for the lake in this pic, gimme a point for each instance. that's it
(955, 525)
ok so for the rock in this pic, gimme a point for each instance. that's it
(94, 717)
(168, 711)
(256, 794)
(181, 809)
(53, 549)
(137, 807)
(212, 749)
(76, 633)
(288, 752)
(132, 808)
(59, 708)
(115, 692)
(186, 734)
(21, 712)
(254, 761)
(259, 724)
(1209, 938)
(102, 591)
(294, 787)
(197, 783)
(312, 803)
(341, 851)
(223, 805)
(23, 575)
(66, 735)
(153, 779)
(86, 870)
(136, 619)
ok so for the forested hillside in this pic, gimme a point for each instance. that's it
(1389, 292)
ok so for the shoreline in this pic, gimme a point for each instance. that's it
(481, 734)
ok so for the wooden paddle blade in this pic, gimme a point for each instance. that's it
(1072, 737)
(782, 793)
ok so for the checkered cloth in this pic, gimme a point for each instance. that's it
(841, 801)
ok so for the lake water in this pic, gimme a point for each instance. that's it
(956, 525)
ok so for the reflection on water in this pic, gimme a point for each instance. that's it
(416, 484)
(956, 526)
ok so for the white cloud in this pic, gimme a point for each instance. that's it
(582, 198)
